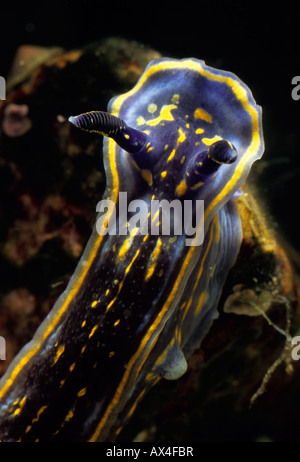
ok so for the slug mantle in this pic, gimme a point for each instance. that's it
(137, 306)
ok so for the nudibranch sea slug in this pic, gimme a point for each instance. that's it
(139, 303)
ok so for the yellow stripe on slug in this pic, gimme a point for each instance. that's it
(153, 259)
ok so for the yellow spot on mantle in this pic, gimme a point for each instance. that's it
(209, 141)
(127, 243)
(152, 108)
(181, 137)
(201, 301)
(93, 331)
(156, 216)
(59, 352)
(81, 392)
(147, 175)
(153, 259)
(201, 114)
(70, 415)
(171, 155)
(165, 114)
(197, 185)
(173, 239)
(72, 366)
(175, 99)
(181, 188)
(140, 120)
(18, 410)
(40, 411)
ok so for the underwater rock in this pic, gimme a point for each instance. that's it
(15, 121)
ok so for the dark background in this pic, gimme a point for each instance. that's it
(258, 42)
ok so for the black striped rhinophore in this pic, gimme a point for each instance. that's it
(106, 124)
(222, 152)
(99, 122)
